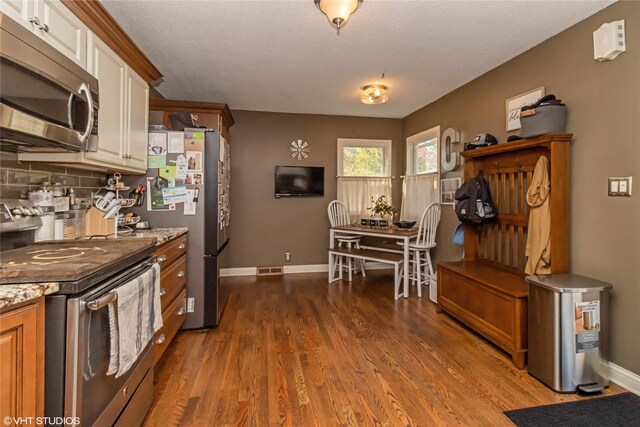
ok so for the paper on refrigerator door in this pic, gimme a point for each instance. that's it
(172, 195)
(176, 142)
(189, 204)
(181, 167)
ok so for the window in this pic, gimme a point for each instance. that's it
(364, 157)
(422, 152)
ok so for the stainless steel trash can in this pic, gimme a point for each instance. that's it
(568, 323)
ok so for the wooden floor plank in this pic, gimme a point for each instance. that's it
(296, 351)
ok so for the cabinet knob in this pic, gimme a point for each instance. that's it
(44, 27)
(181, 274)
(163, 292)
(182, 246)
(34, 20)
(125, 391)
(161, 339)
(181, 312)
(162, 258)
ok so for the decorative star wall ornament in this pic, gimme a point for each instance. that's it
(299, 149)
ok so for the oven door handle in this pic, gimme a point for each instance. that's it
(101, 302)
(112, 296)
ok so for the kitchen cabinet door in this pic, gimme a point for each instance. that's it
(22, 362)
(54, 23)
(21, 11)
(111, 72)
(62, 30)
(137, 133)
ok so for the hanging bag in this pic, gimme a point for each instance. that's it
(473, 203)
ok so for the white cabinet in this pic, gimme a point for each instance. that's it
(137, 109)
(123, 117)
(54, 23)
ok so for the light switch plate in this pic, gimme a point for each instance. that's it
(620, 186)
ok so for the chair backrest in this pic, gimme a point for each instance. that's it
(338, 214)
(429, 225)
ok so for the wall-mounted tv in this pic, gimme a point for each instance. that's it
(299, 181)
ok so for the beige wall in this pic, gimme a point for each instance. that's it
(263, 227)
(603, 99)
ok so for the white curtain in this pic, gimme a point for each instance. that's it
(356, 194)
(418, 192)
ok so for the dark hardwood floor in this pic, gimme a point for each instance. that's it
(297, 351)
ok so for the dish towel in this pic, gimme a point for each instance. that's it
(134, 317)
(538, 248)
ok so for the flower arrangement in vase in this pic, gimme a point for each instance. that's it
(383, 210)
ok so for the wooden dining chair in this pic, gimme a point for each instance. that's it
(420, 248)
(338, 215)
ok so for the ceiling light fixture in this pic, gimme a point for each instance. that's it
(338, 11)
(374, 94)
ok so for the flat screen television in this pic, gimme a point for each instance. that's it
(299, 181)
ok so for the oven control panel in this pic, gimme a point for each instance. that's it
(19, 215)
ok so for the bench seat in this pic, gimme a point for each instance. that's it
(396, 260)
(489, 299)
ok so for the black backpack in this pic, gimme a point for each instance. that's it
(473, 203)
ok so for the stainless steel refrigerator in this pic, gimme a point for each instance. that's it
(208, 231)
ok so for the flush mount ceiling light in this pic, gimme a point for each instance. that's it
(374, 94)
(338, 11)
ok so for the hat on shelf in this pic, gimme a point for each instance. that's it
(481, 140)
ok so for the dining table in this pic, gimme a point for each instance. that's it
(401, 234)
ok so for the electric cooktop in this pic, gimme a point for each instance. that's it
(76, 265)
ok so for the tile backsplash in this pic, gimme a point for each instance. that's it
(17, 178)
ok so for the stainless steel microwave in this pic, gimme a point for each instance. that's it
(48, 102)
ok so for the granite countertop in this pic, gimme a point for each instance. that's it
(15, 294)
(162, 235)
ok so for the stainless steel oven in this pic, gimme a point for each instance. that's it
(76, 380)
(48, 102)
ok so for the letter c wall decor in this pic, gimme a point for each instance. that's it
(450, 159)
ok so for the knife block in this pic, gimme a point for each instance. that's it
(97, 225)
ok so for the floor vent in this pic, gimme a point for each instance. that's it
(269, 271)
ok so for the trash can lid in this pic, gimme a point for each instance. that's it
(568, 283)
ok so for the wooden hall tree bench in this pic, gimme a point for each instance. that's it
(486, 290)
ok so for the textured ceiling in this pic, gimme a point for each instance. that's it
(284, 56)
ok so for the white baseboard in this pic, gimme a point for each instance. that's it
(293, 269)
(622, 377)
(241, 271)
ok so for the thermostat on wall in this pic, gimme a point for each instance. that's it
(609, 41)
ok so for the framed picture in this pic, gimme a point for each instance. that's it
(517, 102)
(448, 189)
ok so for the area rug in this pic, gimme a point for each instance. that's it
(618, 410)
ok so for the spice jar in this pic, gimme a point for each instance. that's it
(58, 189)
(47, 230)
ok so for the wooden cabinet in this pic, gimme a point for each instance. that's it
(213, 116)
(22, 360)
(487, 290)
(172, 257)
(123, 117)
(54, 23)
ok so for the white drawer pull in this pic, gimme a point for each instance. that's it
(182, 246)
(162, 258)
(181, 311)
(163, 292)
(161, 339)
(181, 274)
